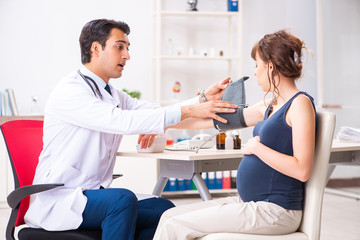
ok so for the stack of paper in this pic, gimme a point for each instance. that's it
(348, 134)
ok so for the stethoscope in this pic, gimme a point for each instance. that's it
(87, 79)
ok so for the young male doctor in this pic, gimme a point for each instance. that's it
(85, 118)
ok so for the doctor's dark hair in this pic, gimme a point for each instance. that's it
(98, 31)
(284, 51)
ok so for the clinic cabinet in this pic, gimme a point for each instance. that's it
(192, 48)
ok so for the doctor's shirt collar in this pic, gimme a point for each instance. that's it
(101, 83)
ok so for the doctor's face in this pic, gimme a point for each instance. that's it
(112, 59)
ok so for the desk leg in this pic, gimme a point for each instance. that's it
(331, 168)
(159, 187)
(201, 186)
(338, 192)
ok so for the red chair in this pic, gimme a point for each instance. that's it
(23, 139)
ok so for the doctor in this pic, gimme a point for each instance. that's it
(85, 119)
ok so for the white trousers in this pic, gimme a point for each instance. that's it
(226, 215)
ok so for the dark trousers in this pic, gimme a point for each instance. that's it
(121, 216)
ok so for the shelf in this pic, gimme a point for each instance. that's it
(194, 193)
(198, 14)
(184, 27)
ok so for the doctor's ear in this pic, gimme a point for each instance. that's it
(95, 48)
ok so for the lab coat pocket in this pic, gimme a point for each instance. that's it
(70, 176)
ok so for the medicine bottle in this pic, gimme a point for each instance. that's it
(229, 141)
(220, 141)
(237, 140)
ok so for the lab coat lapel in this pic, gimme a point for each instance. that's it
(114, 98)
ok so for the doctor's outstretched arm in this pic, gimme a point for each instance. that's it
(195, 117)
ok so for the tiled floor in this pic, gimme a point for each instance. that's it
(340, 218)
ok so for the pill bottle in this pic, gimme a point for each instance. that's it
(237, 140)
(220, 141)
(229, 141)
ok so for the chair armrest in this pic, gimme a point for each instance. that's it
(20, 193)
(115, 176)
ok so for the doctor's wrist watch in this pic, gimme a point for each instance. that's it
(202, 95)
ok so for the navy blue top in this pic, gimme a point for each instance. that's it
(256, 181)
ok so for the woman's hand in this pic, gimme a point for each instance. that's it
(216, 90)
(251, 145)
(208, 110)
(146, 140)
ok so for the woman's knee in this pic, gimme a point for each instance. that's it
(169, 213)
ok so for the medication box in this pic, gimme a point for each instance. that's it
(233, 5)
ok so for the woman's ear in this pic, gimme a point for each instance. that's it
(271, 66)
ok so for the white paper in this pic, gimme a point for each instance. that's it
(348, 134)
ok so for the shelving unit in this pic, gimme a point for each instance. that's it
(195, 193)
(212, 28)
(188, 22)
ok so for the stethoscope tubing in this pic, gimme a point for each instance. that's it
(87, 79)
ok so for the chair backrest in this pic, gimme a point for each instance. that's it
(314, 187)
(23, 139)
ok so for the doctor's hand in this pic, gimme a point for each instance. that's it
(251, 145)
(146, 140)
(216, 90)
(208, 110)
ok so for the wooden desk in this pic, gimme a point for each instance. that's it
(190, 165)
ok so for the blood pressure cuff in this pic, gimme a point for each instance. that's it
(234, 93)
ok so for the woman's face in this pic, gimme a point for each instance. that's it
(261, 73)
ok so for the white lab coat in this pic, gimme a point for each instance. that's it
(82, 134)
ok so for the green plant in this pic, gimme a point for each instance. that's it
(134, 94)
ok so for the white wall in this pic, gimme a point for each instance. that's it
(262, 17)
(341, 73)
(39, 40)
